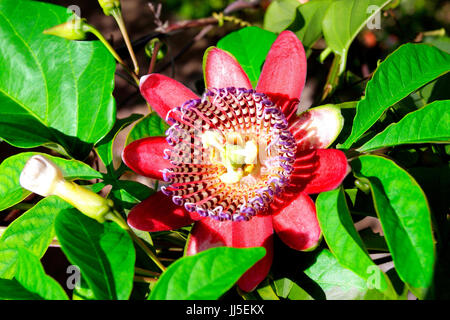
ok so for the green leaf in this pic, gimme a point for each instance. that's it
(308, 24)
(11, 289)
(31, 275)
(266, 292)
(345, 19)
(206, 275)
(33, 230)
(404, 71)
(297, 293)
(52, 90)
(8, 260)
(127, 193)
(373, 241)
(104, 148)
(249, 46)
(427, 125)
(283, 286)
(443, 43)
(339, 283)
(345, 243)
(104, 253)
(404, 214)
(10, 190)
(288, 289)
(150, 126)
(280, 14)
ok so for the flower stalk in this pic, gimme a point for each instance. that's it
(117, 15)
(113, 8)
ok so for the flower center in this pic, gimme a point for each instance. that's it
(239, 156)
(231, 153)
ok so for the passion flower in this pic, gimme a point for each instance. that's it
(238, 161)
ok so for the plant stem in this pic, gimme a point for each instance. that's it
(146, 272)
(22, 206)
(117, 14)
(144, 279)
(112, 51)
(332, 78)
(154, 56)
(117, 218)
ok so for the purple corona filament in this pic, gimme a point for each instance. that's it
(237, 116)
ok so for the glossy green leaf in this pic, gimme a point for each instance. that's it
(10, 190)
(297, 293)
(31, 275)
(427, 125)
(127, 193)
(150, 126)
(339, 283)
(343, 239)
(11, 289)
(308, 24)
(288, 289)
(52, 90)
(33, 230)
(280, 15)
(345, 19)
(104, 148)
(104, 253)
(249, 46)
(8, 260)
(206, 275)
(266, 291)
(404, 71)
(404, 214)
(373, 241)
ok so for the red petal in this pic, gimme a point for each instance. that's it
(164, 93)
(317, 128)
(158, 213)
(222, 70)
(145, 157)
(319, 170)
(284, 73)
(297, 224)
(209, 233)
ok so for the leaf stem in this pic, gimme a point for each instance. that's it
(154, 56)
(146, 272)
(145, 279)
(117, 218)
(332, 78)
(117, 14)
(112, 51)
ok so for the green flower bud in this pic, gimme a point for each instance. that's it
(74, 29)
(150, 49)
(363, 185)
(109, 6)
(43, 177)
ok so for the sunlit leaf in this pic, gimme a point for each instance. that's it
(104, 253)
(405, 218)
(206, 275)
(404, 71)
(52, 90)
(427, 125)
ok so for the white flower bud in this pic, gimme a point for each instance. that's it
(43, 177)
(40, 176)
